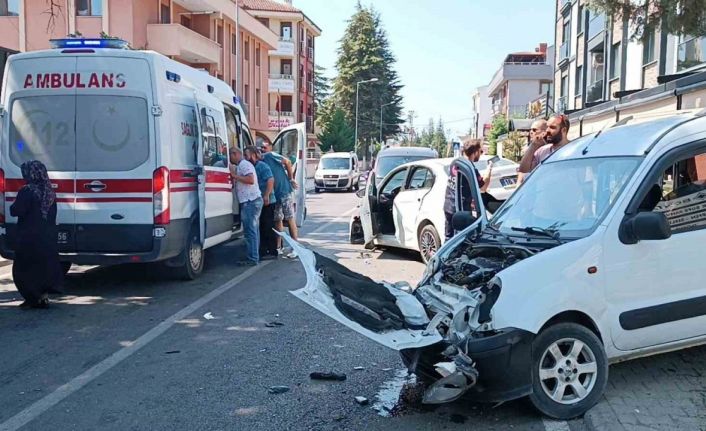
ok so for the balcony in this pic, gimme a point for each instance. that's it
(564, 53)
(281, 84)
(498, 107)
(285, 48)
(564, 5)
(522, 71)
(310, 87)
(280, 120)
(517, 111)
(562, 104)
(311, 54)
(310, 123)
(184, 44)
(537, 107)
(594, 92)
(596, 26)
(691, 53)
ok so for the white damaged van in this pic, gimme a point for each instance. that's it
(595, 259)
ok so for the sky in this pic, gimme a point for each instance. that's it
(444, 48)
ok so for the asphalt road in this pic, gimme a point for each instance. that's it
(128, 348)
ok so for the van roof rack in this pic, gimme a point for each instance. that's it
(89, 43)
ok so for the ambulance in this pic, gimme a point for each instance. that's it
(136, 146)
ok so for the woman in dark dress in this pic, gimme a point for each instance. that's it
(36, 267)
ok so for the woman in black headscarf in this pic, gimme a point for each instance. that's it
(36, 267)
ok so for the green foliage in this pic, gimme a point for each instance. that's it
(364, 53)
(680, 17)
(498, 127)
(513, 146)
(336, 134)
(322, 86)
(439, 142)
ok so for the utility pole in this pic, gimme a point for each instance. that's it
(357, 90)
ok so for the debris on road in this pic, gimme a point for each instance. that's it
(359, 368)
(362, 401)
(171, 352)
(338, 346)
(274, 324)
(316, 375)
(278, 389)
(387, 369)
(208, 316)
(277, 315)
(263, 350)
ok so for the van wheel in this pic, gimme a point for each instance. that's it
(569, 371)
(429, 242)
(194, 256)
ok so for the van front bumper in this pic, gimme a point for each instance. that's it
(163, 248)
(340, 184)
(503, 361)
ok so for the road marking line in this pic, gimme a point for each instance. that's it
(552, 425)
(336, 220)
(63, 391)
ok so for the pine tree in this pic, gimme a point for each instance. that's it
(439, 142)
(364, 53)
(322, 86)
(336, 134)
(427, 136)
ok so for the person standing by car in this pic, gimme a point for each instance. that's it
(266, 182)
(537, 136)
(250, 198)
(556, 136)
(284, 193)
(36, 269)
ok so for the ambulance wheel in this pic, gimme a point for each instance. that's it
(194, 256)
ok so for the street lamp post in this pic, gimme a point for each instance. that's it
(357, 88)
(382, 106)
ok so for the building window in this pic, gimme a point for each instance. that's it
(185, 21)
(165, 14)
(232, 86)
(9, 7)
(89, 7)
(285, 104)
(246, 96)
(257, 56)
(648, 47)
(264, 21)
(246, 50)
(301, 108)
(579, 80)
(614, 70)
(219, 35)
(257, 97)
(691, 52)
(285, 30)
(566, 32)
(579, 21)
(233, 43)
(285, 67)
(544, 88)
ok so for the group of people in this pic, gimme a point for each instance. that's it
(546, 137)
(264, 187)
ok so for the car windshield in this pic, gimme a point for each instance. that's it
(387, 163)
(570, 197)
(335, 163)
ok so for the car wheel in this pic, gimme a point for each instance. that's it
(194, 256)
(317, 190)
(429, 242)
(356, 235)
(569, 371)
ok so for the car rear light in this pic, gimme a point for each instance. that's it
(2, 196)
(160, 196)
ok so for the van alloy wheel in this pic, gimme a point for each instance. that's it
(567, 371)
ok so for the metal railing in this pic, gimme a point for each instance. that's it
(525, 63)
(691, 53)
(310, 87)
(594, 92)
(311, 53)
(564, 52)
(562, 104)
(281, 114)
(281, 76)
(564, 4)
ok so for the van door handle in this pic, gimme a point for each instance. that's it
(95, 186)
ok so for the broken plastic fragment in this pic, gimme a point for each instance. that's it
(274, 324)
(445, 368)
(278, 389)
(338, 377)
(449, 388)
(208, 316)
(362, 401)
(359, 368)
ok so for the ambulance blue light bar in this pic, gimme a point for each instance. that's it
(89, 43)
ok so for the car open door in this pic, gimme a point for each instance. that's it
(291, 144)
(468, 194)
(368, 218)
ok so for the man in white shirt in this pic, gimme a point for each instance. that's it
(250, 198)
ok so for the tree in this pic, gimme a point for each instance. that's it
(364, 53)
(322, 86)
(680, 17)
(497, 128)
(336, 134)
(426, 138)
(439, 142)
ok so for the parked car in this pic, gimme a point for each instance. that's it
(503, 180)
(337, 171)
(594, 260)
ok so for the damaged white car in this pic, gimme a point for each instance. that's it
(594, 260)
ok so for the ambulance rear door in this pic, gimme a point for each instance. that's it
(39, 125)
(291, 143)
(115, 155)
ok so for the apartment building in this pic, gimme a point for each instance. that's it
(217, 36)
(291, 66)
(603, 73)
(522, 78)
(482, 113)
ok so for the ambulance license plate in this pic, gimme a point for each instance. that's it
(63, 237)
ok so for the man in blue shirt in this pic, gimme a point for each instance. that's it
(266, 182)
(284, 192)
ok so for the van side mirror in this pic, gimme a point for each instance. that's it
(360, 193)
(461, 220)
(645, 225)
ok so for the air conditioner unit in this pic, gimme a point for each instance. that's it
(286, 33)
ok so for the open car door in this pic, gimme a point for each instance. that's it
(291, 144)
(468, 194)
(368, 216)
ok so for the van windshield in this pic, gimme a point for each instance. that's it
(80, 133)
(335, 163)
(569, 197)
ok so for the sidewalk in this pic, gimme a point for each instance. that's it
(309, 185)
